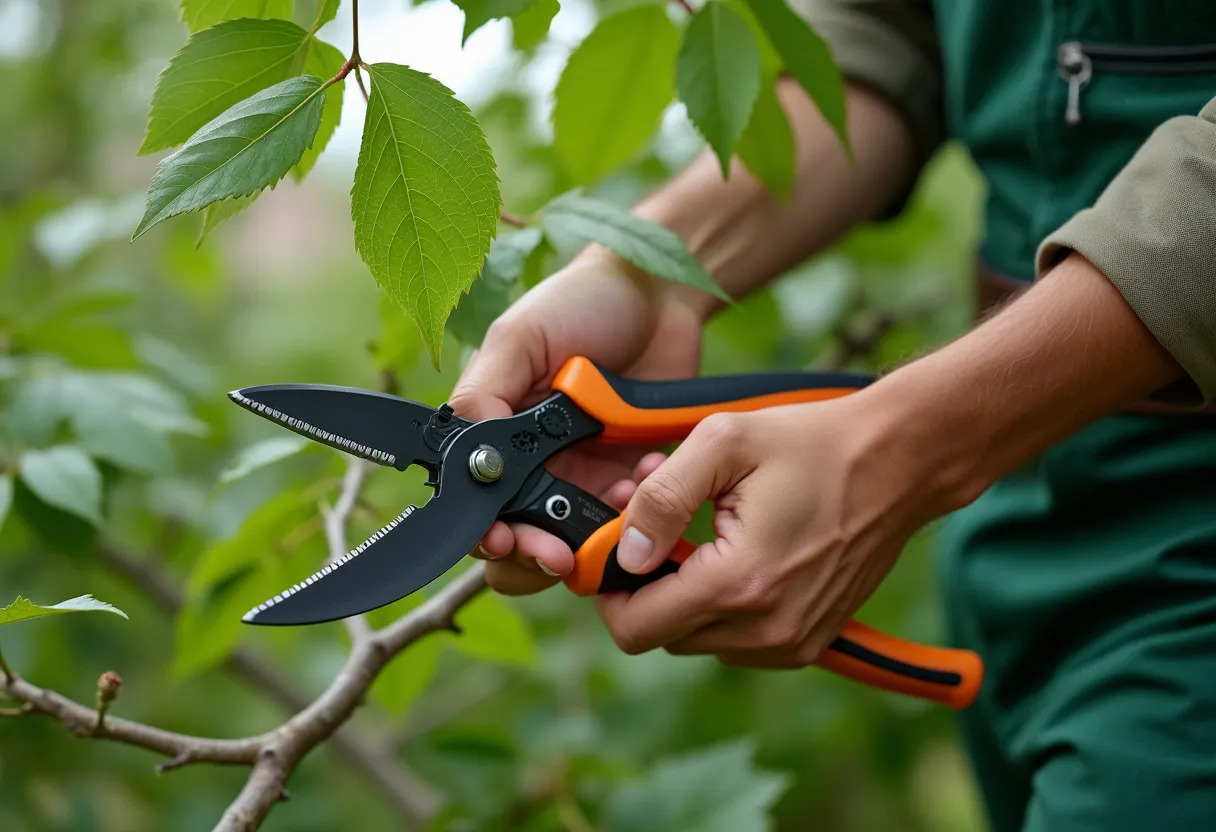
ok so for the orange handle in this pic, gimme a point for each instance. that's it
(645, 412)
(863, 654)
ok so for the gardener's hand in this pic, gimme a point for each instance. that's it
(601, 308)
(813, 504)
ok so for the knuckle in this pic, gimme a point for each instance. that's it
(723, 430)
(503, 329)
(626, 641)
(752, 596)
(780, 633)
(662, 493)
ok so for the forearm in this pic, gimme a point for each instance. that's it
(1070, 350)
(744, 236)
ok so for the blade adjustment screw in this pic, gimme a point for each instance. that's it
(486, 464)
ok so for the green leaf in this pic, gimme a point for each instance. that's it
(324, 61)
(808, 59)
(23, 609)
(216, 69)
(247, 147)
(530, 27)
(113, 434)
(478, 13)
(613, 91)
(202, 14)
(66, 478)
(647, 245)
(718, 77)
(717, 789)
(6, 497)
(407, 675)
(327, 10)
(767, 144)
(495, 631)
(425, 200)
(225, 209)
(262, 533)
(261, 454)
(490, 293)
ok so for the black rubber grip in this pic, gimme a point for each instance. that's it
(694, 392)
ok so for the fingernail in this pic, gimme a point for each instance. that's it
(633, 552)
(487, 553)
(546, 569)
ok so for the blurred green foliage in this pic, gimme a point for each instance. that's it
(115, 358)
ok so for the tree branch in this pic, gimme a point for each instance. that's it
(83, 722)
(413, 798)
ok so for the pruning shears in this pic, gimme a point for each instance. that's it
(494, 470)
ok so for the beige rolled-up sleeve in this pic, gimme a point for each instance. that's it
(890, 46)
(1152, 232)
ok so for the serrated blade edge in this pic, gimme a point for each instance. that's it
(329, 567)
(333, 440)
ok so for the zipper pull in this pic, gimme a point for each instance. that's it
(1074, 67)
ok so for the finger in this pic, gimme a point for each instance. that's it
(550, 554)
(516, 576)
(501, 374)
(497, 543)
(661, 508)
(647, 465)
(666, 610)
(769, 660)
(618, 494)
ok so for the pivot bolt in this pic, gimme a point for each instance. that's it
(557, 507)
(485, 464)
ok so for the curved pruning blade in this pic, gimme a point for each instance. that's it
(413, 549)
(385, 429)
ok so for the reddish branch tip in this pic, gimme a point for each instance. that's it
(107, 686)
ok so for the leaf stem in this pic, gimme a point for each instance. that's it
(359, 81)
(684, 4)
(8, 671)
(513, 219)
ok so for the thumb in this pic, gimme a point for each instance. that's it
(501, 374)
(664, 503)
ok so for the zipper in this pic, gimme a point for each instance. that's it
(1076, 63)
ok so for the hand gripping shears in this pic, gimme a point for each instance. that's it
(494, 470)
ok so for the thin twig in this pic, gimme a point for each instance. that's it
(686, 7)
(356, 59)
(513, 219)
(336, 519)
(8, 671)
(82, 721)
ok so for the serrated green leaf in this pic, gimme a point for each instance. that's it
(718, 789)
(406, 676)
(215, 70)
(6, 497)
(530, 27)
(493, 630)
(217, 212)
(425, 200)
(718, 77)
(478, 13)
(613, 91)
(808, 59)
(247, 147)
(64, 477)
(202, 14)
(647, 245)
(323, 61)
(767, 144)
(327, 10)
(23, 609)
(261, 454)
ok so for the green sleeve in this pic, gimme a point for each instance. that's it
(891, 47)
(1152, 232)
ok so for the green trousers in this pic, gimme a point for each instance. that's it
(1087, 581)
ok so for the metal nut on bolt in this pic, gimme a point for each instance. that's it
(486, 464)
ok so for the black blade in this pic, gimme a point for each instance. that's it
(385, 429)
(414, 549)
